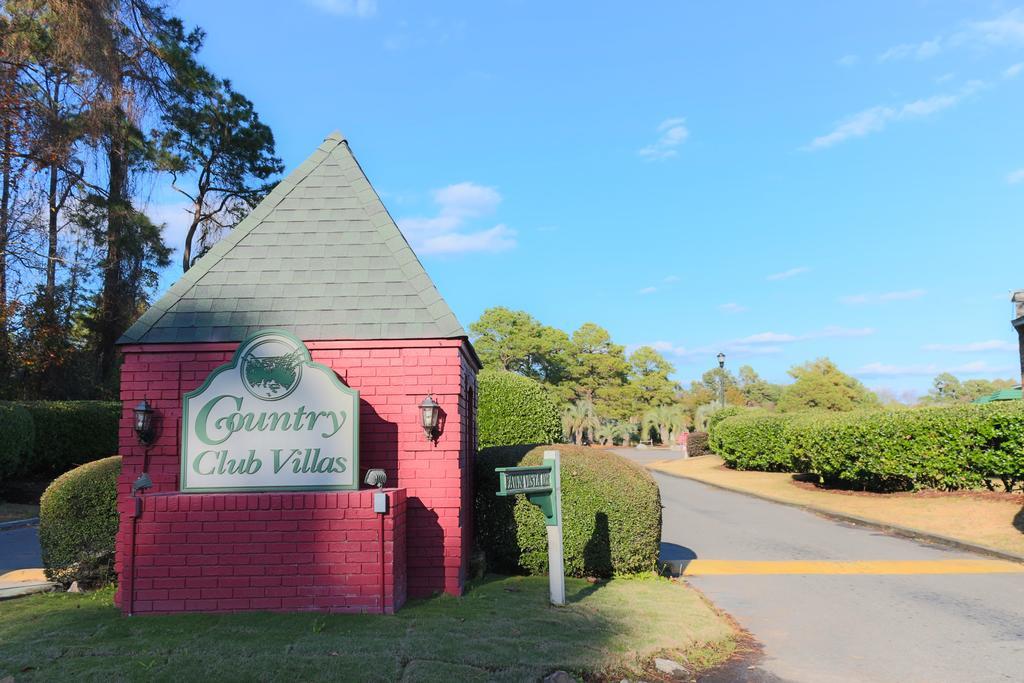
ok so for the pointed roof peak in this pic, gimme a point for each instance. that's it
(320, 256)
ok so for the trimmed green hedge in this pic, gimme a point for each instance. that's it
(514, 410)
(17, 434)
(722, 414)
(753, 440)
(611, 514)
(943, 447)
(61, 435)
(78, 524)
(69, 433)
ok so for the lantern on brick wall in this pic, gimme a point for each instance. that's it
(144, 422)
(430, 410)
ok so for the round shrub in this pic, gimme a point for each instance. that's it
(515, 410)
(18, 435)
(697, 444)
(611, 514)
(78, 523)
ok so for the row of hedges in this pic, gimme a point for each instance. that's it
(946, 448)
(42, 439)
(611, 514)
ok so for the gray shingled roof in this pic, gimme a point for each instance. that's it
(320, 256)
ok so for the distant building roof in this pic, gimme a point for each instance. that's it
(320, 256)
(1001, 395)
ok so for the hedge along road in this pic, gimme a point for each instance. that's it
(831, 601)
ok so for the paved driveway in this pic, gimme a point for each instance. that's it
(19, 549)
(906, 611)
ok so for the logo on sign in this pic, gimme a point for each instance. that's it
(272, 419)
(272, 368)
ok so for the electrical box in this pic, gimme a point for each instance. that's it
(380, 503)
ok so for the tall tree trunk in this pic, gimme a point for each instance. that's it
(51, 245)
(113, 307)
(5, 228)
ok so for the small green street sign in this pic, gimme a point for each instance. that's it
(516, 480)
(536, 483)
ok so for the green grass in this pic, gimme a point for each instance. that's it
(502, 630)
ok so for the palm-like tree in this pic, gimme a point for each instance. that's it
(605, 433)
(577, 419)
(668, 420)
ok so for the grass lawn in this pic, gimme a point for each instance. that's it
(996, 521)
(502, 630)
(13, 511)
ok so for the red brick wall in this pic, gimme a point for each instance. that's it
(224, 552)
(392, 378)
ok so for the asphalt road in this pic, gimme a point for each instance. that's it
(19, 549)
(819, 628)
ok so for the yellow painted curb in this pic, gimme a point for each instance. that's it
(23, 576)
(748, 567)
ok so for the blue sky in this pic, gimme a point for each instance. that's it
(779, 181)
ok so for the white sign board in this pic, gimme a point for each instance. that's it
(270, 420)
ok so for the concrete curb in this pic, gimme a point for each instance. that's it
(896, 530)
(31, 521)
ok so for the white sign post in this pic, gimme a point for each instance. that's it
(556, 561)
(272, 419)
(542, 486)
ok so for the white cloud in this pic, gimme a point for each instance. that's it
(904, 295)
(445, 233)
(1006, 30)
(832, 332)
(900, 295)
(354, 8)
(175, 218)
(875, 119)
(1014, 70)
(928, 370)
(648, 290)
(829, 332)
(919, 51)
(786, 274)
(669, 279)
(761, 344)
(973, 347)
(848, 60)
(733, 307)
(498, 238)
(673, 134)
(1015, 177)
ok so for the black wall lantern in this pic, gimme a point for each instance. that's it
(430, 410)
(144, 422)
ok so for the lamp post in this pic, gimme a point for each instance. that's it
(1018, 324)
(721, 380)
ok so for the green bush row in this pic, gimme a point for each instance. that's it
(611, 514)
(17, 434)
(62, 434)
(946, 448)
(515, 410)
(78, 524)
